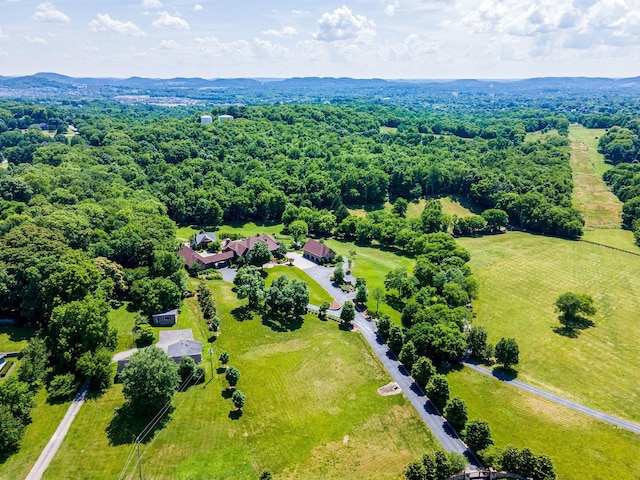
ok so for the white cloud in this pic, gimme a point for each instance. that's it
(270, 49)
(151, 3)
(212, 46)
(313, 50)
(283, 32)
(391, 8)
(168, 45)
(342, 24)
(35, 40)
(169, 21)
(197, 7)
(412, 48)
(3, 36)
(104, 23)
(47, 12)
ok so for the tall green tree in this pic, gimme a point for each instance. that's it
(149, 380)
(507, 352)
(348, 313)
(250, 284)
(79, 327)
(478, 435)
(259, 255)
(438, 391)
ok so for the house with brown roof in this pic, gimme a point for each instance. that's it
(317, 251)
(231, 251)
(242, 247)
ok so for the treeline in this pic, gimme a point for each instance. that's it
(624, 180)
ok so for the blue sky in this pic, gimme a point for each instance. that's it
(354, 38)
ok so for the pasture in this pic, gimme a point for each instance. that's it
(521, 275)
(580, 447)
(598, 205)
(312, 411)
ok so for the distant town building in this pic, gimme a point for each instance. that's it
(206, 119)
(225, 117)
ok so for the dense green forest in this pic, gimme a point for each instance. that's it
(92, 193)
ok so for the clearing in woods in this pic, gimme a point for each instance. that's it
(598, 205)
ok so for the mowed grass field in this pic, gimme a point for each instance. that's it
(312, 411)
(520, 277)
(317, 294)
(598, 205)
(581, 448)
(373, 263)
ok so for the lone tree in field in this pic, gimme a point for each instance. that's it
(149, 380)
(573, 307)
(507, 352)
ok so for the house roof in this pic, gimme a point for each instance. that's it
(184, 348)
(205, 237)
(317, 249)
(168, 312)
(216, 257)
(243, 247)
(190, 256)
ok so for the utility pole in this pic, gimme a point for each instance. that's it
(139, 465)
(211, 360)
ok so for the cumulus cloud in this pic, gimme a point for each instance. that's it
(270, 49)
(151, 3)
(167, 45)
(283, 32)
(3, 36)
(47, 12)
(342, 24)
(212, 46)
(169, 21)
(197, 7)
(412, 48)
(104, 23)
(391, 8)
(35, 40)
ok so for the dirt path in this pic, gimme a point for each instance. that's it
(598, 205)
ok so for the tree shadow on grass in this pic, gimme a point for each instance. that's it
(17, 333)
(505, 374)
(235, 414)
(394, 302)
(572, 327)
(221, 370)
(282, 324)
(4, 456)
(227, 393)
(242, 314)
(347, 327)
(128, 423)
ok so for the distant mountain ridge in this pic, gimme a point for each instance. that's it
(55, 86)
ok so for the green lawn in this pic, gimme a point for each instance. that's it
(244, 229)
(598, 205)
(14, 339)
(45, 419)
(373, 263)
(312, 411)
(317, 294)
(614, 237)
(123, 320)
(521, 275)
(580, 447)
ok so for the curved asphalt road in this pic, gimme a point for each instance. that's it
(605, 417)
(438, 425)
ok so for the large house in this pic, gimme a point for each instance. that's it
(317, 251)
(231, 251)
(203, 239)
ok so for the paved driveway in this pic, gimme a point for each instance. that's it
(430, 415)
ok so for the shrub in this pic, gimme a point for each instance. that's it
(63, 387)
